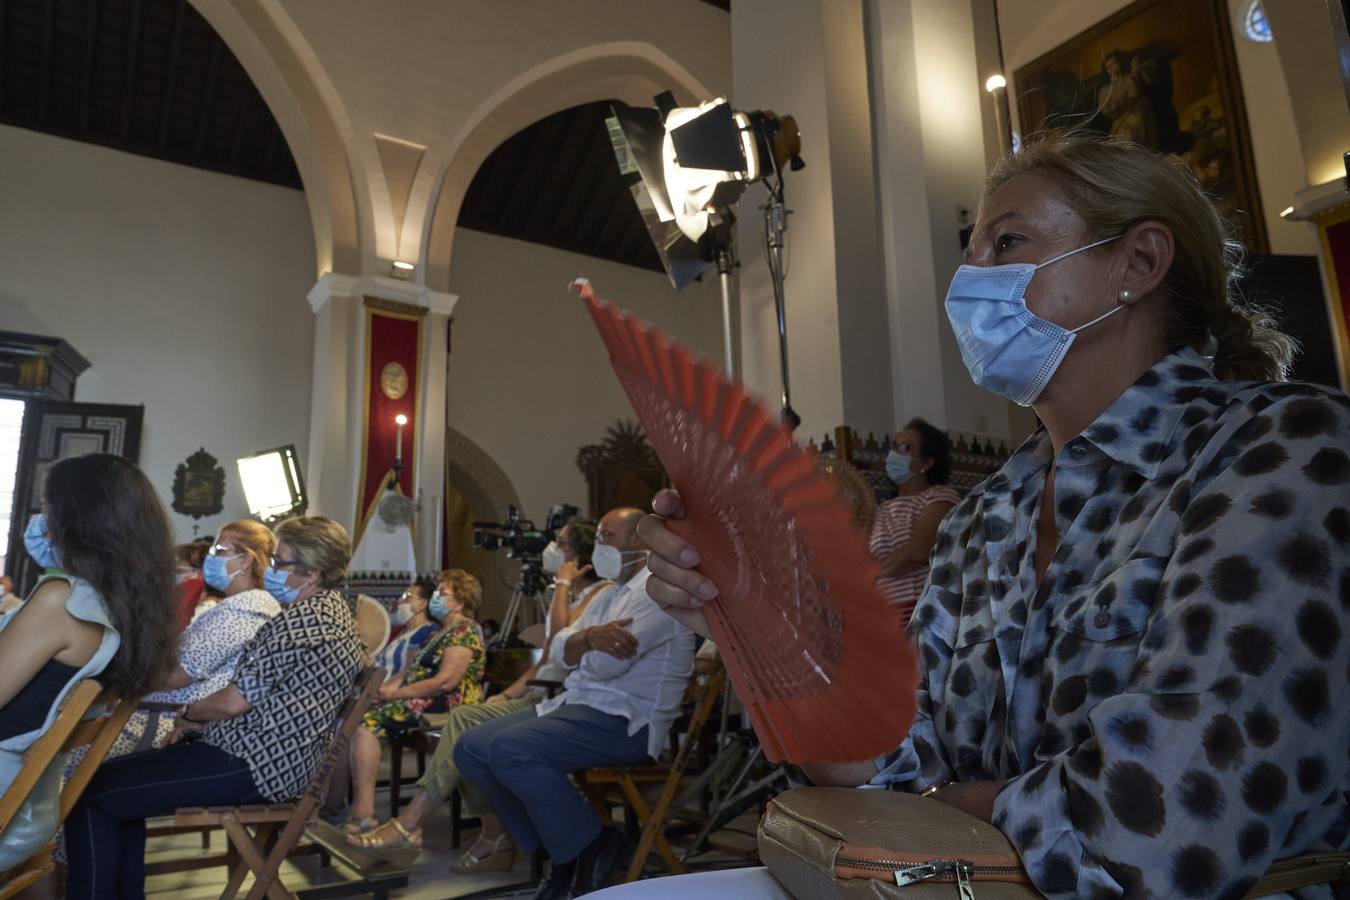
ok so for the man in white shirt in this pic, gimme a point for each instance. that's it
(628, 667)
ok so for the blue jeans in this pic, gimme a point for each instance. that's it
(520, 763)
(105, 833)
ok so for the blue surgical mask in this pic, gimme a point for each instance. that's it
(216, 573)
(274, 582)
(39, 543)
(898, 467)
(1008, 349)
(436, 607)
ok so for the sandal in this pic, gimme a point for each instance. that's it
(371, 840)
(361, 825)
(493, 858)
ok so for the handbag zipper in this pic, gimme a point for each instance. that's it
(907, 872)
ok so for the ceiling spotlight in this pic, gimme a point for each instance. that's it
(691, 165)
(1286, 212)
(995, 82)
(401, 264)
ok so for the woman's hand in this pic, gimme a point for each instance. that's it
(180, 728)
(570, 571)
(674, 585)
(388, 691)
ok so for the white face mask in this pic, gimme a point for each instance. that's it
(553, 558)
(403, 613)
(608, 561)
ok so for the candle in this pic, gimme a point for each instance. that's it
(399, 421)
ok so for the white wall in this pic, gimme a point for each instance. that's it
(1030, 28)
(185, 289)
(529, 380)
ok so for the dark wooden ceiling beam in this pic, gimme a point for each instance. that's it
(580, 197)
(270, 153)
(528, 181)
(4, 54)
(87, 73)
(209, 88)
(245, 107)
(129, 71)
(45, 76)
(554, 201)
(171, 77)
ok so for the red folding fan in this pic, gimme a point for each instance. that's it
(815, 653)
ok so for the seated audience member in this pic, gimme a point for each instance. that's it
(192, 587)
(629, 665)
(906, 527)
(445, 673)
(413, 627)
(1135, 635)
(8, 599)
(210, 648)
(257, 740)
(110, 616)
(576, 586)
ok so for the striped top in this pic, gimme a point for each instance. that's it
(892, 528)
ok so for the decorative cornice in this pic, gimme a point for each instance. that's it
(336, 286)
(1312, 202)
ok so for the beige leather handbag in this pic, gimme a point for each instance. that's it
(843, 842)
(846, 843)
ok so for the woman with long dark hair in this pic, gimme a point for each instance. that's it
(104, 608)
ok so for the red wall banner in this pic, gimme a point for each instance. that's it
(392, 385)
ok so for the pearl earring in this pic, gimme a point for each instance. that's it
(1126, 296)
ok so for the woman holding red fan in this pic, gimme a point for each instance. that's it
(1133, 633)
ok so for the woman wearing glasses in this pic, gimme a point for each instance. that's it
(259, 739)
(211, 646)
(418, 627)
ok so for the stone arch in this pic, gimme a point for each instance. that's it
(311, 115)
(486, 490)
(631, 71)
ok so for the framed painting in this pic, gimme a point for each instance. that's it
(1161, 73)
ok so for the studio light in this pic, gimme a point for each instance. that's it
(691, 166)
(273, 487)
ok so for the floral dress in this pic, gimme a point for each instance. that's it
(396, 717)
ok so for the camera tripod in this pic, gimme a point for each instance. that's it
(519, 594)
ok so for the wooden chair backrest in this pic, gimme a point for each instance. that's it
(69, 731)
(349, 719)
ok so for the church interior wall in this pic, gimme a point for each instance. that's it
(529, 380)
(184, 288)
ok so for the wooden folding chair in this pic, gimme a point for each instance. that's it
(69, 731)
(703, 691)
(276, 828)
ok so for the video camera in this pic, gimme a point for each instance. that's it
(520, 537)
(524, 542)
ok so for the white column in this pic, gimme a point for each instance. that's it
(807, 59)
(333, 471)
(929, 108)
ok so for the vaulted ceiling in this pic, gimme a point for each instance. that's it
(149, 77)
(152, 77)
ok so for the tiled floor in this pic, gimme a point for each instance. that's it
(429, 880)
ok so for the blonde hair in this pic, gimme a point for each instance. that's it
(255, 539)
(320, 545)
(467, 589)
(1113, 185)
